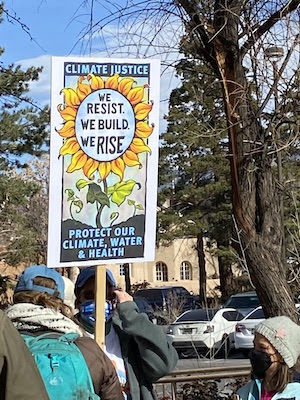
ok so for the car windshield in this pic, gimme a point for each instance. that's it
(150, 295)
(197, 315)
(242, 302)
(257, 314)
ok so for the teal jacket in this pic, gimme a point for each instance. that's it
(146, 353)
(252, 391)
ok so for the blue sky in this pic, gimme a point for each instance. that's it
(55, 26)
(50, 24)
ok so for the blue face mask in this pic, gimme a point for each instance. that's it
(87, 312)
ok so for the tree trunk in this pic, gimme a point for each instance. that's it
(127, 278)
(227, 281)
(202, 270)
(256, 201)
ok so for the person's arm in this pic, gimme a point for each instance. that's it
(158, 357)
(20, 378)
(103, 373)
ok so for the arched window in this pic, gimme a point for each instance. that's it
(185, 271)
(161, 271)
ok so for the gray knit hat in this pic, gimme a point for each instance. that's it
(284, 335)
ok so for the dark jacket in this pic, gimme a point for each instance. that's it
(146, 353)
(103, 373)
(19, 378)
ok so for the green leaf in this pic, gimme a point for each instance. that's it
(113, 215)
(81, 183)
(78, 203)
(120, 191)
(70, 194)
(95, 194)
(131, 202)
(139, 207)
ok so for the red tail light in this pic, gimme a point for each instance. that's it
(239, 327)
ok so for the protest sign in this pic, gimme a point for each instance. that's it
(103, 161)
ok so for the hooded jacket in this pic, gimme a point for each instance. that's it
(147, 354)
(252, 391)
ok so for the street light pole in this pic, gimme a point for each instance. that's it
(274, 54)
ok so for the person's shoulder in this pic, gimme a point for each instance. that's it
(89, 348)
(292, 389)
(246, 389)
(3, 316)
(88, 342)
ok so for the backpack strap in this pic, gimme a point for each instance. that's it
(61, 337)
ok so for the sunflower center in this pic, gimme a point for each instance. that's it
(105, 124)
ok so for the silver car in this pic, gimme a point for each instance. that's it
(201, 329)
(244, 330)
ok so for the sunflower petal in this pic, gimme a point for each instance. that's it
(104, 169)
(83, 90)
(68, 113)
(68, 129)
(138, 146)
(78, 161)
(125, 85)
(141, 110)
(96, 81)
(131, 159)
(136, 95)
(143, 130)
(90, 167)
(112, 82)
(71, 97)
(118, 167)
(70, 146)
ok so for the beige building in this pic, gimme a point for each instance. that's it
(176, 265)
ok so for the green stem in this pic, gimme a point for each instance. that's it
(98, 217)
(71, 210)
(116, 217)
(105, 185)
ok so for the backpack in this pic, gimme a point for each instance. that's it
(62, 366)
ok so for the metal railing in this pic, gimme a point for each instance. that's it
(210, 373)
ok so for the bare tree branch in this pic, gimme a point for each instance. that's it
(267, 25)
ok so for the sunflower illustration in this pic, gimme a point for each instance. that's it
(105, 125)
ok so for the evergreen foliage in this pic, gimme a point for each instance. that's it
(195, 195)
(23, 133)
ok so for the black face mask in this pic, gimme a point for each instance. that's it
(260, 362)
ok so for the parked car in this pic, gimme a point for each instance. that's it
(243, 302)
(244, 330)
(163, 297)
(144, 307)
(204, 329)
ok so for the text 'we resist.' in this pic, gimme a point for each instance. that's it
(105, 125)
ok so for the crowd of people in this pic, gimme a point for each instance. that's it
(48, 351)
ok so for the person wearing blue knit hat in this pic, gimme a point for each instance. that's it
(137, 348)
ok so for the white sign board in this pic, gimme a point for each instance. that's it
(103, 161)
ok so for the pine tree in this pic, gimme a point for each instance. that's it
(23, 133)
(194, 173)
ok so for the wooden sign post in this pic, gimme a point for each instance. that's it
(100, 295)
